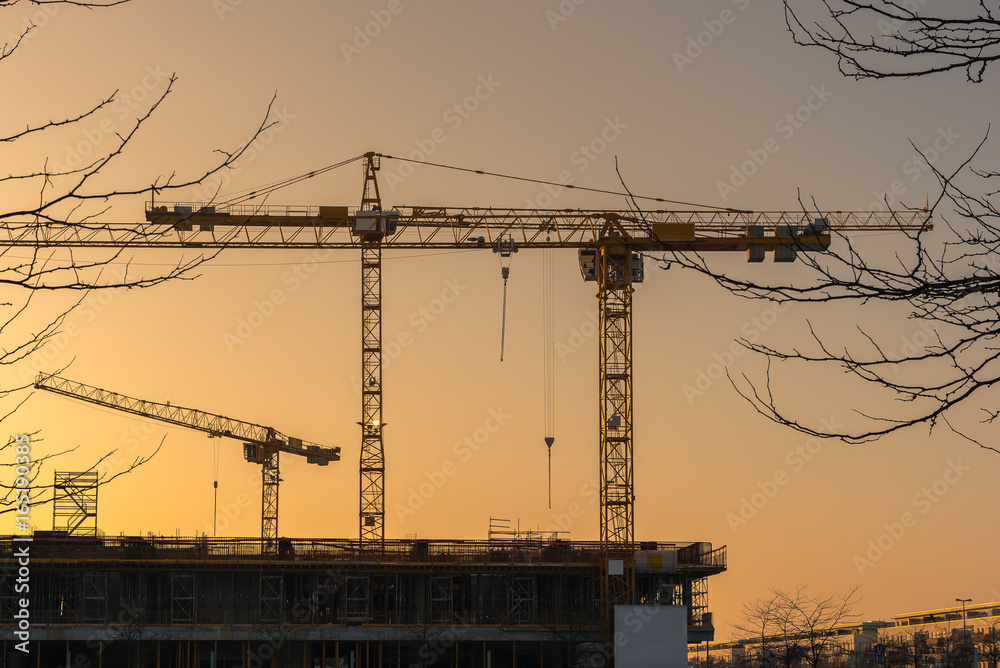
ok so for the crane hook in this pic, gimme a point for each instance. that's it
(505, 248)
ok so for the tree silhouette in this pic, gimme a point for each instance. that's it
(885, 39)
(948, 279)
(56, 198)
(792, 628)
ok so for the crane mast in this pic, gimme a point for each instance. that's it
(261, 445)
(610, 244)
(614, 294)
(372, 507)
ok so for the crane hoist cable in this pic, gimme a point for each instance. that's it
(548, 351)
(215, 504)
(503, 316)
(504, 248)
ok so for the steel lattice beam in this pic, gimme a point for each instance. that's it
(614, 274)
(372, 509)
(214, 425)
(269, 502)
(371, 515)
(193, 225)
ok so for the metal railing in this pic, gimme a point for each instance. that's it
(236, 210)
(324, 550)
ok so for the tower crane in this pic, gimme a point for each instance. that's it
(610, 244)
(261, 445)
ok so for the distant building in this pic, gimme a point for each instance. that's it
(936, 633)
(976, 615)
(840, 642)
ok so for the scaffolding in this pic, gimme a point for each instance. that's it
(74, 503)
(528, 599)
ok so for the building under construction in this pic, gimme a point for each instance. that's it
(134, 601)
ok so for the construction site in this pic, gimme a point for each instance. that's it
(529, 599)
(226, 602)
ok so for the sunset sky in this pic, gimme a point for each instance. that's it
(683, 94)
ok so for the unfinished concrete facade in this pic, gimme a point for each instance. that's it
(131, 601)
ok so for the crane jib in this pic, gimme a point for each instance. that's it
(213, 425)
(187, 225)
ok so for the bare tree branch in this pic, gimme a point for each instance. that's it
(74, 198)
(878, 39)
(54, 124)
(793, 628)
(38, 464)
(951, 287)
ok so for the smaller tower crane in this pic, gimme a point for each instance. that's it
(261, 445)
